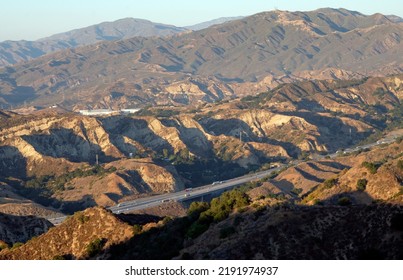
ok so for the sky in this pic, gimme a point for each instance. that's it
(34, 19)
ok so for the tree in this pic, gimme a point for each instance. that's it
(329, 183)
(370, 166)
(362, 184)
(184, 153)
(344, 201)
(95, 247)
(197, 207)
(165, 153)
(137, 229)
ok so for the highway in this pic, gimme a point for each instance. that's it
(220, 186)
(190, 193)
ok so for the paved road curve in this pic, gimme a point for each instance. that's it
(155, 200)
(220, 186)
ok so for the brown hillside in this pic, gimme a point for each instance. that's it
(210, 64)
(15, 229)
(361, 232)
(71, 239)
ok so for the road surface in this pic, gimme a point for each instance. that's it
(220, 186)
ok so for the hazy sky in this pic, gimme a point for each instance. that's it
(34, 19)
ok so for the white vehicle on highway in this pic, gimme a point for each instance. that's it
(216, 183)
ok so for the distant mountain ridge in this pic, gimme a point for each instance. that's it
(236, 58)
(116, 30)
(12, 52)
(209, 23)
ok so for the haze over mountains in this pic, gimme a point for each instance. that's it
(219, 62)
(304, 91)
(12, 52)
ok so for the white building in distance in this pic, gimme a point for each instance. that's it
(97, 112)
(104, 112)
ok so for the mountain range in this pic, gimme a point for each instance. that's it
(329, 216)
(318, 94)
(232, 59)
(53, 151)
(12, 52)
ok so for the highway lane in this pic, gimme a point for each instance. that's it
(155, 200)
(190, 193)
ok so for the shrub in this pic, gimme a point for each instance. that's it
(196, 229)
(3, 246)
(329, 183)
(344, 201)
(16, 245)
(400, 164)
(297, 191)
(95, 247)
(82, 218)
(220, 216)
(226, 232)
(197, 207)
(317, 201)
(137, 229)
(362, 184)
(167, 219)
(370, 166)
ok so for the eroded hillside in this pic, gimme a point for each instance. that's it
(313, 210)
(51, 157)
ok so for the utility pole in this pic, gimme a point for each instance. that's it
(240, 135)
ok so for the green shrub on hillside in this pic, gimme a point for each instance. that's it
(16, 245)
(95, 247)
(218, 210)
(197, 207)
(329, 183)
(137, 229)
(3, 246)
(362, 184)
(370, 166)
(344, 201)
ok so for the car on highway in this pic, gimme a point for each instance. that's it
(217, 183)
